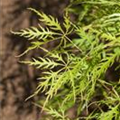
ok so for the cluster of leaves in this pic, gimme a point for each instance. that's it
(74, 72)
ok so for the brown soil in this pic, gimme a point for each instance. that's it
(19, 81)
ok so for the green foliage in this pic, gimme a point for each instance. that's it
(74, 72)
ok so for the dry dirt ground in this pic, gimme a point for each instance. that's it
(18, 81)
